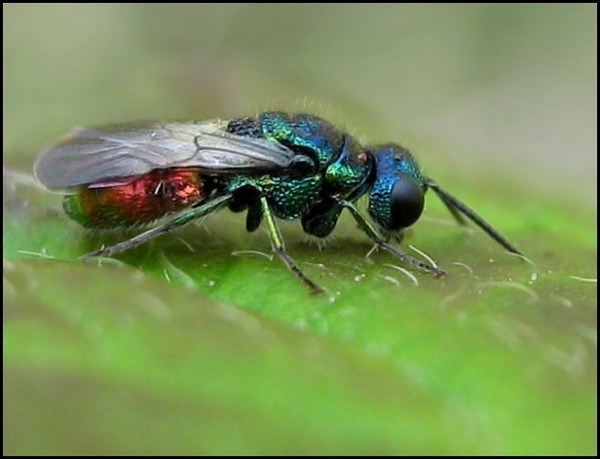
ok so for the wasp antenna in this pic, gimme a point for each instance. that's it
(457, 207)
(448, 203)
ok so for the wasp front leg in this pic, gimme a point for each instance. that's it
(376, 237)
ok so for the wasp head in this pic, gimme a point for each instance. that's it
(397, 196)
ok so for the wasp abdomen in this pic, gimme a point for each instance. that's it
(142, 200)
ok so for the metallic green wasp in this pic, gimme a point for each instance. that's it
(275, 165)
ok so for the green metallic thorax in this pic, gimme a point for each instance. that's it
(289, 198)
(337, 167)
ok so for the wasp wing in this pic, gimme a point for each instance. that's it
(92, 156)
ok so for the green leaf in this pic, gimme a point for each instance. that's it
(236, 357)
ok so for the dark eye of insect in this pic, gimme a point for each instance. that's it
(275, 166)
(407, 201)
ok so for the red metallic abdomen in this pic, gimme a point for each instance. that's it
(142, 200)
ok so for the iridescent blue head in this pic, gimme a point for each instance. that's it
(397, 197)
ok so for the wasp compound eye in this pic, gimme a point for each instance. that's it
(406, 203)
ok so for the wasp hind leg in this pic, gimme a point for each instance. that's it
(180, 220)
(278, 247)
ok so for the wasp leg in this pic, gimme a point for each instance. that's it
(374, 235)
(180, 220)
(279, 247)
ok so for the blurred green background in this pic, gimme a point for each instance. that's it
(216, 353)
